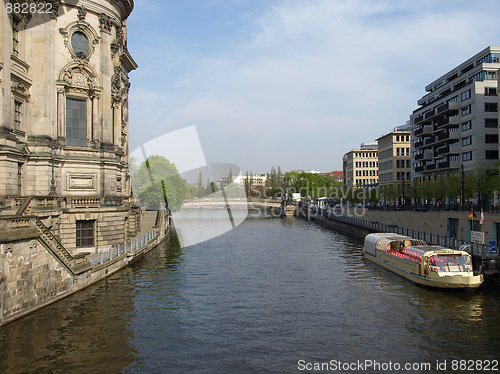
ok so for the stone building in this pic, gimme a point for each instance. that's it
(394, 156)
(361, 166)
(456, 122)
(64, 84)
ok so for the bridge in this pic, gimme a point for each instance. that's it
(217, 203)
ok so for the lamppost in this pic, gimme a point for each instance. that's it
(404, 200)
(462, 198)
(53, 181)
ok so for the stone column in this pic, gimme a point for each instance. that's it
(61, 113)
(117, 123)
(96, 125)
(89, 120)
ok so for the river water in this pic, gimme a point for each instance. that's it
(271, 296)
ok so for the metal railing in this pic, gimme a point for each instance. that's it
(475, 248)
(119, 250)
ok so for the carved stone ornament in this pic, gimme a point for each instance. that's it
(20, 89)
(127, 84)
(119, 33)
(55, 8)
(116, 83)
(82, 13)
(80, 77)
(105, 23)
(115, 46)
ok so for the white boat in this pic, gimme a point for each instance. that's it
(427, 265)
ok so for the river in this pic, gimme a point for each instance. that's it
(271, 296)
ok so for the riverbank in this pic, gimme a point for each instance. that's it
(38, 271)
(449, 229)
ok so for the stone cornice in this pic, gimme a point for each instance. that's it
(124, 7)
(127, 61)
(129, 5)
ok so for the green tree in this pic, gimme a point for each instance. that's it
(157, 180)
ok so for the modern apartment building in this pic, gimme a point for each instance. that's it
(457, 120)
(361, 166)
(394, 156)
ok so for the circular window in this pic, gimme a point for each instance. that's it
(79, 42)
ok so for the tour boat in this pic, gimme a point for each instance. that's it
(427, 265)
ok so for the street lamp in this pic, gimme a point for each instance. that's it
(53, 181)
(404, 200)
(462, 198)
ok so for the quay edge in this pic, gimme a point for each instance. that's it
(36, 273)
(429, 226)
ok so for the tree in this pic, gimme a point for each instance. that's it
(157, 181)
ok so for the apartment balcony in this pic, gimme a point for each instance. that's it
(419, 131)
(455, 164)
(448, 107)
(447, 121)
(430, 141)
(451, 135)
(428, 156)
(429, 114)
(418, 119)
(449, 165)
(454, 149)
(428, 130)
(444, 165)
(419, 157)
(419, 144)
(443, 151)
(419, 169)
(430, 167)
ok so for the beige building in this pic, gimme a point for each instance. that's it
(361, 166)
(394, 156)
(456, 122)
(64, 120)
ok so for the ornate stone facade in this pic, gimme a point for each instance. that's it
(63, 113)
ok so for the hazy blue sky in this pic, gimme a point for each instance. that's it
(293, 83)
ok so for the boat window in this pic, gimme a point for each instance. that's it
(451, 263)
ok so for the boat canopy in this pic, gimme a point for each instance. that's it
(383, 241)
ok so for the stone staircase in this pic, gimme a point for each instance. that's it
(75, 264)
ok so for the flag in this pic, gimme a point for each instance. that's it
(482, 217)
(472, 214)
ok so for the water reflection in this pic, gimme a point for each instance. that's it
(56, 338)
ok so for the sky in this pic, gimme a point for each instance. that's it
(292, 83)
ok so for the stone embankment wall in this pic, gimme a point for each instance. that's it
(433, 227)
(34, 273)
(435, 222)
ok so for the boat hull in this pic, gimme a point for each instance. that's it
(449, 282)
